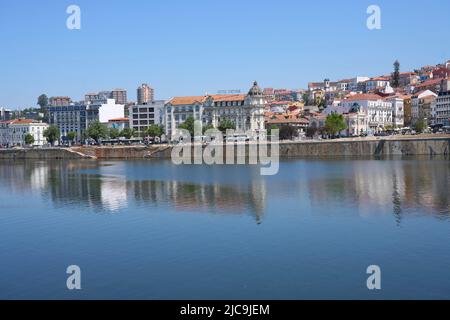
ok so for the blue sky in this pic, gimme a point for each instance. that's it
(191, 47)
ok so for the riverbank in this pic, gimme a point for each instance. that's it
(389, 146)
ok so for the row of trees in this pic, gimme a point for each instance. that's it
(98, 131)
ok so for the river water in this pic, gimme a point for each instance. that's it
(154, 230)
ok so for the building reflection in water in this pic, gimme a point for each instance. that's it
(81, 185)
(395, 187)
(365, 187)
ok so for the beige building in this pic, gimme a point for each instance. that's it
(421, 103)
(120, 95)
(59, 101)
(145, 94)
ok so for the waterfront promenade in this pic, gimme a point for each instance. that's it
(369, 146)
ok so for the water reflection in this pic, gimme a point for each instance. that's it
(395, 187)
(66, 184)
(413, 186)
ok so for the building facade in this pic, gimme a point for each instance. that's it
(370, 113)
(245, 111)
(77, 117)
(59, 101)
(6, 114)
(119, 95)
(119, 123)
(441, 107)
(421, 106)
(145, 115)
(13, 132)
(145, 94)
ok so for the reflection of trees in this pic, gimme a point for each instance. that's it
(66, 184)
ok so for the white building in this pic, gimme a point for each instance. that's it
(354, 84)
(370, 113)
(108, 110)
(440, 109)
(377, 83)
(13, 132)
(145, 115)
(245, 111)
(178, 109)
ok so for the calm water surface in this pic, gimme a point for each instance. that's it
(152, 230)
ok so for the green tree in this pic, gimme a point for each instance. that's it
(188, 125)
(52, 134)
(127, 133)
(71, 136)
(97, 131)
(396, 75)
(114, 133)
(29, 139)
(43, 101)
(226, 125)
(420, 126)
(154, 131)
(335, 123)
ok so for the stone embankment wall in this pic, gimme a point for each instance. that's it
(41, 154)
(382, 147)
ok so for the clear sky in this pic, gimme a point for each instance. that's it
(189, 47)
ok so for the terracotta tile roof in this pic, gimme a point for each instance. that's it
(379, 79)
(187, 100)
(227, 97)
(429, 83)
(23, 121)
(363, 96)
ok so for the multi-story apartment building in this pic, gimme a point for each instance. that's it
(376, 83)
(59, 101)
(13, 132)
(145, 94)
(142, 116)
(119, 95)
(245, 111)
(96, 98)
(421, 106)
(77, 117)
(6, 114)
(372, 113)
(441, 107)
(178, 109)
(357, 84)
